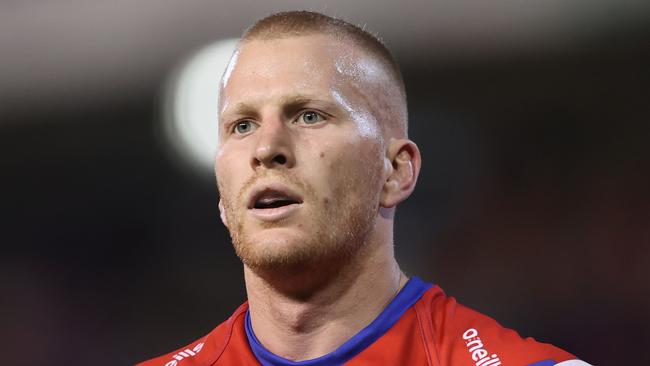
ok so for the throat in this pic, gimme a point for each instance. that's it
(298, 337)
(315, 324)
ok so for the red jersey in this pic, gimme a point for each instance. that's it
(420, 326)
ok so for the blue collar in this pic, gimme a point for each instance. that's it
(408, 295)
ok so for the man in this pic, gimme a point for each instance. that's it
(313, 158)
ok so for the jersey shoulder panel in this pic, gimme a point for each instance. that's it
(461, 336)
(204, 351)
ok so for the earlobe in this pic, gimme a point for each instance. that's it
(222, 213)
(405, 161)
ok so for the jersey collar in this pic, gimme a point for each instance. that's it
(408, 295)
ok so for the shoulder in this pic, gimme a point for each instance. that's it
(205, 350)
(462, 336)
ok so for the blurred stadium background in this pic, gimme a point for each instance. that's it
(533, 205)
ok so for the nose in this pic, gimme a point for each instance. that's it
(274, 146)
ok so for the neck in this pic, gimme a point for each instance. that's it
(301, 316)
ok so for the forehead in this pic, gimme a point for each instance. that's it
(312, 64)
(288, 55)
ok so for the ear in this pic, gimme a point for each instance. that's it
(403, 162)
(222, 213)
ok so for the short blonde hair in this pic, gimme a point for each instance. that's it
(303, 23)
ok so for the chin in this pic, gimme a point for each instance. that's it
(277, 248)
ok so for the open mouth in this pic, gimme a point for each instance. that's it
(273, 198)
(273, 202)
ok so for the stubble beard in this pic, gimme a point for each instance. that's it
(340, 229)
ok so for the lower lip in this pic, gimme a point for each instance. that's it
(274, 214)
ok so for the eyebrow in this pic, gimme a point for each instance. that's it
(289, 103)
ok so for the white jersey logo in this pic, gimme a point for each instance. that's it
(475, 346)
(180, 356)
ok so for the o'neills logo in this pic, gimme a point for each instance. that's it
(180, 356)
(475, 348)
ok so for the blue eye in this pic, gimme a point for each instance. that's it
(243, 127)
(311, 117)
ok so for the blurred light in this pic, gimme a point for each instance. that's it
(190, 106)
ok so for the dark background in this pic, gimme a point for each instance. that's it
(533, 203)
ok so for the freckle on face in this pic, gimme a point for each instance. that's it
(326, 200)
(322, 154)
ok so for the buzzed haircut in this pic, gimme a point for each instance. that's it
(389, 105)
(301, 23)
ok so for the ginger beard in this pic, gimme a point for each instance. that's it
(328, 230)
(337, 167)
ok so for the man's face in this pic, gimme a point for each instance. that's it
(300, 164)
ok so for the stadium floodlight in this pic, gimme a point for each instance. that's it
(190, 104)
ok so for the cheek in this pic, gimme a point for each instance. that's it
(220, 169)
(347, 170)
(232, 159)
(227, 175)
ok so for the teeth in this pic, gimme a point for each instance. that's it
(269, 200)
(273, 201)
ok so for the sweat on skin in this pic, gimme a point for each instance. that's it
(308, 267)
